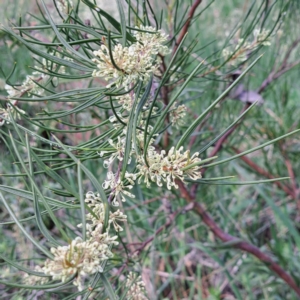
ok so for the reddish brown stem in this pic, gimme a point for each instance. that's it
(187, 24)
(237, 243)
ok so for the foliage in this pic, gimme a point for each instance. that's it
(124, 135)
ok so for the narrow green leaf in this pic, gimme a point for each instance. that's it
(22, 268)
(130, 127)
(123, 22)
(37, 287)
(53, 58)
(28, 195)
(228, 128)
(81, 199)
(283, 217)
(62, 40)
(108, 288)
(55, 176)
(209, 181)
(20, 226)
(251, 150)
(38, 216)
(109, 18)
(45, 203)
(94, 181)
(193, 126)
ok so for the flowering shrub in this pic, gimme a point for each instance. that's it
(112, 102)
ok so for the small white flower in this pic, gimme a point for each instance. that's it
(116, 217)
(118, 187)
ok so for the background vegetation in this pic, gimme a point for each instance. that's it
(214, 239)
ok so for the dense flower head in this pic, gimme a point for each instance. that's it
(152, 40)
(168, 168)
(136, 62)
(80, 258)
(8, 113)
(177, 114)
(136, 287)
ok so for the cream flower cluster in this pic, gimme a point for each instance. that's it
(64, 6)
(33, 280)
(5, 114)
(244, 48)
(29, 86)
(136, 62)
(117, 186)
(136, 287)
(160, 167)
(32, 83)
(177, 114)
(168, 168)
(81, 258)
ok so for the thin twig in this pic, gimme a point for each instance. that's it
(186, 25)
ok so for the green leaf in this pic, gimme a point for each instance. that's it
(94, 181)
(123, 22)
(21, 227)
(193, 126)
(251, 150)
(22, 268)
(82, 203)
(38, 216)
(108, 288)
(63, 41)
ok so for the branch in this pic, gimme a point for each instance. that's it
(236, 242)
(187, 24)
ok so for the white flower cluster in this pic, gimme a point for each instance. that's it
(168, 168)
(81, 258)
(159, 167)
(5, 114)
(177, 114)
(33, 83)
(136, 287)
(33, 280)
(136, 62)
(29, 86)
(117, 186)
(64, 6)
(262, 37)
(244, 48)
